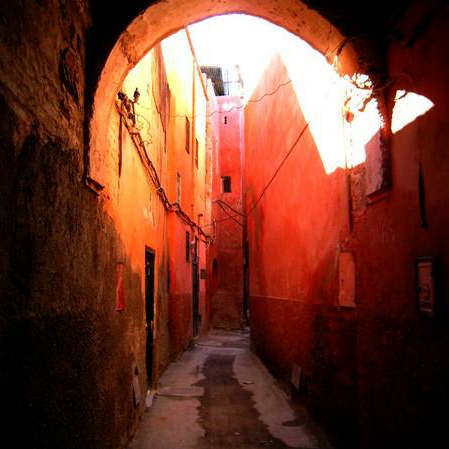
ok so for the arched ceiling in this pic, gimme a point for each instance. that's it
(121, 34)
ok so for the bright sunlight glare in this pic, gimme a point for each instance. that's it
(239, 39)
(252, 43)
(407, 108)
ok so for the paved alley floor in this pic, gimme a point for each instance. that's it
(220, 396)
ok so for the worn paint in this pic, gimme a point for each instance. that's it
(227, 299)
(295, 313)
(294, 235)
(189, 100)
(68, 358)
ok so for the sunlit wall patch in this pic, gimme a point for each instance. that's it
(407, 108)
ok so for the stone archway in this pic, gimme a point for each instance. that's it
(164, 18)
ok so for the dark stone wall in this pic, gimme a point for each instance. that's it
(402, 363)
(66, 356)
(66, 359)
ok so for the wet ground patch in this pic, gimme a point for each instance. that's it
(227, 411)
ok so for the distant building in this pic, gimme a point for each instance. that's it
(227, 80)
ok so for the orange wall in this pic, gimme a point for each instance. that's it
(188, 99)
(138, 212)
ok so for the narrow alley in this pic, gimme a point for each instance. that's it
(224, 224)
(219, 395)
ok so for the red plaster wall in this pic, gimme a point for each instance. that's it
(213, 188)
(139, 214)
(204, 308)
(294, 235)
(227, 300)
(180, 303)
(402, 356)
(376, 374)
(180, 319)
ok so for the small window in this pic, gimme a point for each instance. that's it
(187, 246)
(187, 135)
(225, 119)
(178, 188)
(197, 146)
(226, 181)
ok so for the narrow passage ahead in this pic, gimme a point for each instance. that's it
(220, 396)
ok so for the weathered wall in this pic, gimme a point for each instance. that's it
(403, 368)
(374, 368)
(188, 100)
(66, 365)
(213, 187)
(67, 357)
(131, 198)
(294, 233)
(227, 300)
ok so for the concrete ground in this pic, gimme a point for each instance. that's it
(220, 396)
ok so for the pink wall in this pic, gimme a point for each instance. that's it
(375, 373)
(213, 186)
(227, 300)
(293, 238)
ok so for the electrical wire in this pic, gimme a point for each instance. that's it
(229, 206)
(215, 222)
(301, 133)
(289, 152)
(257, 100)
(231, 217)
(175, 206)
(338, 48)
(151, 171)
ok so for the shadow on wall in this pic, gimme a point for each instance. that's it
(294, 238)
(67, 357)
(402, 371)
(369, 373)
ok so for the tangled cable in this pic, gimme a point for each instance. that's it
(152, 173)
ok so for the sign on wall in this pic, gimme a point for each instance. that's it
(425, 278)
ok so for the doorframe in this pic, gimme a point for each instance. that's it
(149, 337)
(196, 291)
(246, 315)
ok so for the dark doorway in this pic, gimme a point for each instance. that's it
(149, 311)
(195, 288)
(246, 284)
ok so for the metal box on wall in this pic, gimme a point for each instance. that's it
(425, 285)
